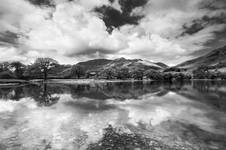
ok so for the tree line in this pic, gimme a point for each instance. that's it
(44, 68)
(17, 70)
(209, 72)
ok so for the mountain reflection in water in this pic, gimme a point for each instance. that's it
(70, 117)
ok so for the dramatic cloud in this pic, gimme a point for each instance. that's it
(75, 30)
(42, 2)
(116, 18)
(8, 38)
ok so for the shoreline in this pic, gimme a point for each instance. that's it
(11, 82)
(90, 81)
(5, 82)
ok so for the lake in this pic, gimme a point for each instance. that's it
(112, 116)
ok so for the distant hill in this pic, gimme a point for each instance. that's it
(94, 64)
(214, 58)
(131, 64)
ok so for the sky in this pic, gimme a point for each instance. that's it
(168, 31)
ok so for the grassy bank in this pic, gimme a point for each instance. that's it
(89, 81)
(11, 81)
(64, 81)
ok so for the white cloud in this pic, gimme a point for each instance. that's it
(11, 53)
(154, 111)
(73, 31)
(66, 122)
(197, 41)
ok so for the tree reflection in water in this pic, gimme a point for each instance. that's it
(192, 111)
(45, 97)
(39, 93)
(211, 92)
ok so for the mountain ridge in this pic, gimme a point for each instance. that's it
(213, 58)
(131, 64)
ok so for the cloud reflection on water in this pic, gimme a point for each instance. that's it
(62, 125)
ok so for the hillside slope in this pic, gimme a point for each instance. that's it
(211, 59)
(131, 64)
(95, 64)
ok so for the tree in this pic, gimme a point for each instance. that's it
(45, 98)
(201, 72)
(173, 69)
(153, 75)
(123, 73)
(108, 73)
(44, 65)
(18, 68)
(137, 74)
(223, 76)
(77, 71)
(5, 71)
(167, 76)
(4, 66)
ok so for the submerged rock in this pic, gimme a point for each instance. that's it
(113, 140)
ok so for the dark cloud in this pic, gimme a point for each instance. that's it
(200, 24)
(213, 4)
(9, 38)
(111, 1)
(47, 3)
(128, 5)
(195, 27)
(217, 42)
(220, 19)
(207, 21)
(114, 18)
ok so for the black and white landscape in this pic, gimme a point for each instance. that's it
(113, 74)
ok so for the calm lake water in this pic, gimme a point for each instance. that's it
(113, 116)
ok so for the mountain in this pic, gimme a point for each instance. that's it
(94, 64)
(131, 64)
(214, 58)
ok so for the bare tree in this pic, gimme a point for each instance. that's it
(44, 65)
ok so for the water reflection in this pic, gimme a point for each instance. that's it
(61, 116)
(103, 91)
